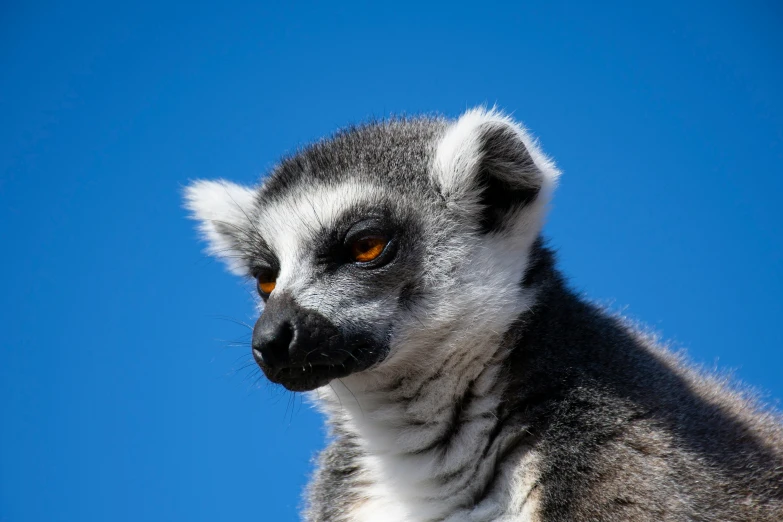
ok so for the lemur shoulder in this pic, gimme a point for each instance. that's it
(403, 276)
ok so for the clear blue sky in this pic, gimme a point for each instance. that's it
(118, 399)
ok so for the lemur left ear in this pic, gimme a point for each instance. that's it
(489, 166)
(223, 210)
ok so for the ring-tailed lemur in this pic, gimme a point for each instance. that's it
(403, 275)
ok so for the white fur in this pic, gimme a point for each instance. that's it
(458, 155)
(215, 202)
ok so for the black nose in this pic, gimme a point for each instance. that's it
(302, 349)
(272, 342)
(287, 336)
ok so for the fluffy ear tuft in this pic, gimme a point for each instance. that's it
(487, 164)
(223, 210)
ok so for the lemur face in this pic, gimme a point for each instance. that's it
(370, 250)
(334, 279)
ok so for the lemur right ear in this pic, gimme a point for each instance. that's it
(487, 165)
(223, 210)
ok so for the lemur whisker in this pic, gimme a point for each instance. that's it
(354, 396)
(337, 395)
(232, 320)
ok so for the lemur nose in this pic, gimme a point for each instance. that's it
(271, 343)
(289, 337)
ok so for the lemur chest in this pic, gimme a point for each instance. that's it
(395, 491)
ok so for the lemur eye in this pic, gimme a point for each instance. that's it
(368, 248)
(266, 283)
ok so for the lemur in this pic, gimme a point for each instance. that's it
(404, 282)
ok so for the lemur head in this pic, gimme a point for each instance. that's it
(389, 247)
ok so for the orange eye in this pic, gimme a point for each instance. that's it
(368, 248)
(265, 286)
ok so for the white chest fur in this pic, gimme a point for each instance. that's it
(408, 473)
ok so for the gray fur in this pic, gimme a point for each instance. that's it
(473, 383)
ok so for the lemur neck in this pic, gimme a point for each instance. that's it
(424, 406)
(431, 444)
(431, 439)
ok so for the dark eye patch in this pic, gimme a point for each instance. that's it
(332, 248)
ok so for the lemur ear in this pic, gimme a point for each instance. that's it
(223, 210)
(488, 165)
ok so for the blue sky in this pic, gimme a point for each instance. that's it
(120, 396)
